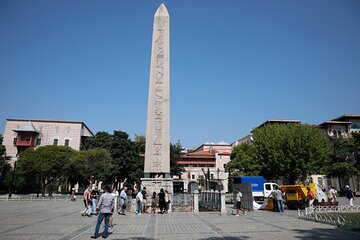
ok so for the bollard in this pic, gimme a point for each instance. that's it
(223, 203)
(196, 201)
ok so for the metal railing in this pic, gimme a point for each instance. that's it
(33, 197)
(210, 200)
(343, 216)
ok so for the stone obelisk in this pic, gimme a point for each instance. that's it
(157, 150)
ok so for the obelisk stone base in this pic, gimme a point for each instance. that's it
(155, 184)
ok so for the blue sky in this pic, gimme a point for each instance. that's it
(234, 64)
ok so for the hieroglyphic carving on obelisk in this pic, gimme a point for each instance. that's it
(157, 151)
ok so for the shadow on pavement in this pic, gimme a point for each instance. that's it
(319, 233)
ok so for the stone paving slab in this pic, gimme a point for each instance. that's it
(62, 220)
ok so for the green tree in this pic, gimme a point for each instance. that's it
(5, 168)
(44, 165)
(344, 160)
(140, 142)
(100, 140)
(244, 161)
(127, 163)
(175, 156)
(288, 151)
(88, 166)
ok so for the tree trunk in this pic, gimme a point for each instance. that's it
(43, 188)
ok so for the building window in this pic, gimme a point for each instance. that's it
(193, 177)
(334, 133)
(212, 176)
(320, 181)
(14, 141)
(56, 142)
(38, 141)
(67, 142)
(224, 166)
(355, 126)
(339, 133)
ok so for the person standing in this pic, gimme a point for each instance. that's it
(73, 194)
(162, 202)
(123, 201)
(311, 196)
(94, 198)
(238, 202)
(349, 195)
(87, 202)
(167, 201)
(139, 199)
(144, 201)
(104, 210)
(153, 203)
(279, 200)
(273, 197)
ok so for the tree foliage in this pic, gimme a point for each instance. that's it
(244, 160)
(287, 151)
(43, 166)
(175, 156)
(292, 151)
(345, 158)
(5, 168)
(88, 166)
(126, 163)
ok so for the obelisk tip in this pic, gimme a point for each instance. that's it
(162, 11)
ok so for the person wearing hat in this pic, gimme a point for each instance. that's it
(349, 195)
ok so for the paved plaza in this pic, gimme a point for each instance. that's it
(61, 220)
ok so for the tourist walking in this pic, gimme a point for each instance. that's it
(123, 201)
(104, 210)
(115, 194)
(349, 195)
(238, 202)
(87, 202)
(311, 197)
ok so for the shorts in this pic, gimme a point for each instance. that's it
(238, 205)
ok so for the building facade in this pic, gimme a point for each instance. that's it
(342, 127)
(208, 159)
(21, 134)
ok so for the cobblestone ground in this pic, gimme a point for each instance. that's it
(62, 220)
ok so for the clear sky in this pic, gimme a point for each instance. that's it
(234, 63)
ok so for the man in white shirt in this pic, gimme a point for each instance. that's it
(139, 200)
(238, 202)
